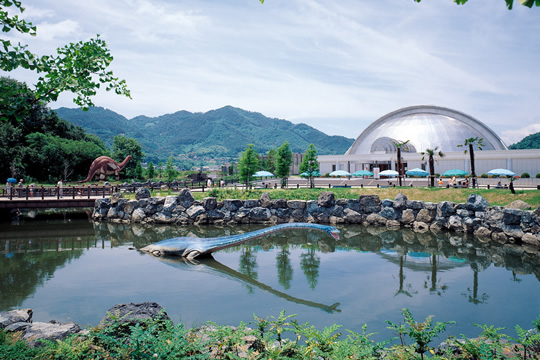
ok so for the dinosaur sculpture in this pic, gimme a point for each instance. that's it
(190, 247)
(104, 166)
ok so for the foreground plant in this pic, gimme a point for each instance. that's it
(422, 333)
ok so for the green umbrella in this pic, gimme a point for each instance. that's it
(455, 172)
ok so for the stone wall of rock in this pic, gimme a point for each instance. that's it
(476, 216)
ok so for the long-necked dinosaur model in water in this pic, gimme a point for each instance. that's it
(104, 166)
(190, 247)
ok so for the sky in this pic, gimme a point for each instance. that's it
(334, 65)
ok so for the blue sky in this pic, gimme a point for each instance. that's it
(334, 65)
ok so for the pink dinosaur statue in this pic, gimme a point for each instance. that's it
(104, 166)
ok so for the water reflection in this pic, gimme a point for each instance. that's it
(30, 255)
(210, 265)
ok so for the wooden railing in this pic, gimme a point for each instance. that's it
(33, 192)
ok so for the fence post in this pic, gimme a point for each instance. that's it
(42, 192)
(73, 191)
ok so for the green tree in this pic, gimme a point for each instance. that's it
(80, 68)
(310, 164)
(400, 145)
(271, 161)
(469, 145)
(283, 163)
(124, 146)
(170, 172)
(39, 145)
(431, 153)
(150, 171)
(160, 170)
(248, 165)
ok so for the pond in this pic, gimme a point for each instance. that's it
(71, 269)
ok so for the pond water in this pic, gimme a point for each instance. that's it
(72, 269)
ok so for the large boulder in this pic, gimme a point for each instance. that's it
(35, 333)
(14, 316)
(476, 202)
(185, 198)
(518, 204)
(326, 199)
(265, 200)
(369, 204)
(134, 313)
(142, 193)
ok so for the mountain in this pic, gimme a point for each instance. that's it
(529, 142)
(224, 132)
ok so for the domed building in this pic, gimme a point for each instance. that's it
(427, 127)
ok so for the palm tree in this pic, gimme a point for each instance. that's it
(470, 143)
(400, 145)
(431, 153)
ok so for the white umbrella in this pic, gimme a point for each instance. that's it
(340, 173)
(501, 172)
(263, 173)
(389, 173)
(417, 172)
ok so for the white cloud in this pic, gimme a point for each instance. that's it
(333, 65)
(513, 136)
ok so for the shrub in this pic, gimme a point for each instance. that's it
(525, 175)
(538, 176)
(484, 176)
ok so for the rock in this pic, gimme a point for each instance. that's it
(455, 223)
(130, 206)
(512, 216)
(134, 313)
(376, 219)
(420, 226)
(138, 215)
(393, 225)
(14, 316)
(445, 209)
(115, 197)
(296, 204)
(250, 203)
(531, 239)
(352, 217)
(210, 203)
(483, 233)
(326, 199)
(185, 198)
(265, 200)
(426, 216)
(279, 204)
(388, 213)
(518, 204)
(232, 205)
(476, 203)
(499, 237)
(52, 331)
(194, 211)
(170, 203)
(400, 202)
(260, 214)
(407, 217)
(142, 193)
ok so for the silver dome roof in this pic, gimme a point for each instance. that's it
(426, 127)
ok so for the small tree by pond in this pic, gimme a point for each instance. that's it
(248, 165)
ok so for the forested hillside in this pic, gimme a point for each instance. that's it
(223, 132)
(529, 142)
(35, 144)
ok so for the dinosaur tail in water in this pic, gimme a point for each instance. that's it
(190, 247)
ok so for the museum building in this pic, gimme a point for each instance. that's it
(428, 127)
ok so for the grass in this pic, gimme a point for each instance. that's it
(499, 197)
